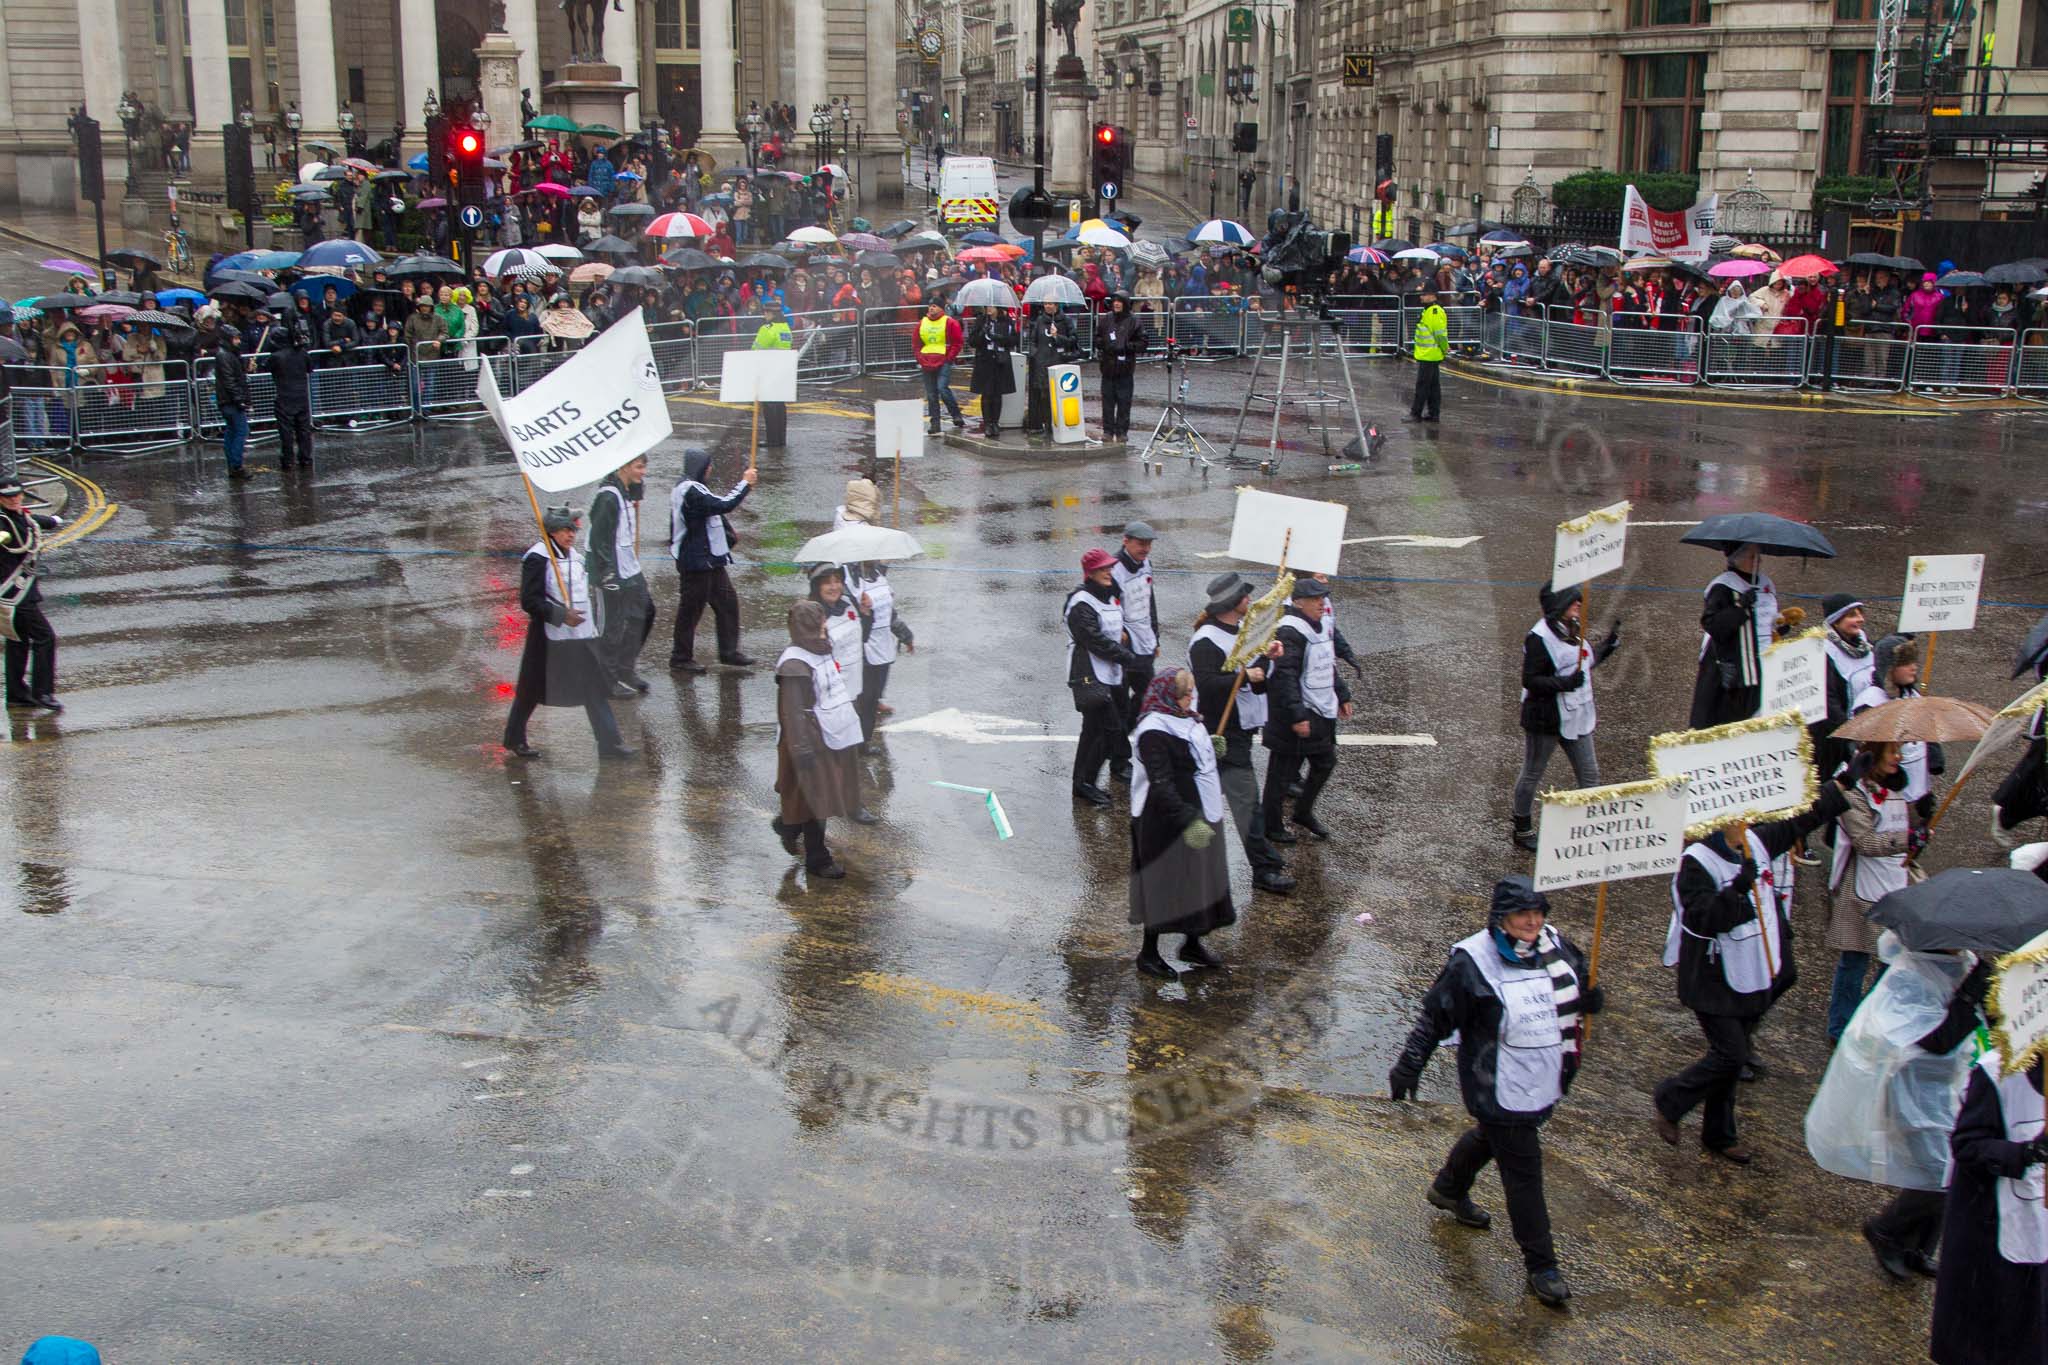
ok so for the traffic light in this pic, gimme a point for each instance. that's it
(240, 168)
(1110, 160)
(1385, 191)
(1032, 209)
(92, 179)
(437, 153)
(466, 163)
(1383, 156)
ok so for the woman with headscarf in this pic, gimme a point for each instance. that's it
(1514, 994)
(1875, 835)
(1180, 871)
(993, 338)
(816, 772)
(1735, 314)
(1557, 700)
(848, 621)
(1741, 611)
(559, 666)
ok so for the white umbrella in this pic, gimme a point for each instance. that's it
(857, 544)
(986, 294)
(515, 258)
(1417, 253)
(310, 170)
(1103, 235)
(918, 241)
(813, 236)
(559, 251)
(1149, 253)
(1054, 289)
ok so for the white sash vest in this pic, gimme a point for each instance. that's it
(1528, 1070)
(1875, 878)
(2022, 1216)
(626, 544)
(842, 628)
(1191, 731)
(1251, 706)
(1575, 712)
(1110, 615)
(579, 595)
(881, 646)
(833, 707)
(678, 525)
(1318, 666)
(1765, 620)
(1856, 673)
(1752, 951)
(1136, 591)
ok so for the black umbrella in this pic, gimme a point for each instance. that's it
(2014, 272)
(1390, 245)
(392, 175)
(1127, 218)
(764, 261)
(942, 288)
(1960, 279)
(1516, 251)
(1871, 258)
(124, 297)
(1772, 535)
(609, 245)
(645, 277)
(11, 352)
(880, 260)
(1465, 229)
(1906, 263)
(733, 173)
(57, 303)
(131, 255)
(156, 317)
(682, 258)
(1984, 909)
(409, 266)
(631, 211)
(240, 291)
(2030, 653)
(902, 227)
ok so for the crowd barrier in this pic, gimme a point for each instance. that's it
(123, 408)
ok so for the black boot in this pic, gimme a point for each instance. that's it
(1462, 1208)
(1524, 834)
(1151, 963)
(1196, 953)
(1549, 1286)
(1277, 880)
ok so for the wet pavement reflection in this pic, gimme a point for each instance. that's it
(340, 1035)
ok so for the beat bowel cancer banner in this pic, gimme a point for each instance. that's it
(587, 416)
(1681, 235)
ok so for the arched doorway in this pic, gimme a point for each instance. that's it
(459, 26)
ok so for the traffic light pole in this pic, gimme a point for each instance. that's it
(1038, 141)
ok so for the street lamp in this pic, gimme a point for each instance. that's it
(346, 121)
(131, 115)
(821, 127)
(432, 107)
(752, 122)
(292, 121)
(845, 124)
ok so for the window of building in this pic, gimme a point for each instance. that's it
(1848, 111)
(690, 25)
(157, 26)
(668, 23)
(1855, 11)
(269, 12)
(237, 14)
(356, 86)
(1661, 101)
(1666, 13)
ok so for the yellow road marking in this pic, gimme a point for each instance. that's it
(98, 511)
(829, 409)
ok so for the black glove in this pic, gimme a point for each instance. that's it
(1579, 680)
(1924, 808)
(1747, 600)
(1976, 985)
(2036, 1152)
(1401, 1082)
(1745, 879)
(1594, 1000)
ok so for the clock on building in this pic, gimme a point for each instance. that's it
(930, 41)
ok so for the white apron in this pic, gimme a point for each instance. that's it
(626, 545)
(579, 595)
(2022, 1215)
(1764, 621)
(1875, 878)
(842, 628)
(1575, 712)
(881, 646)
(1191, 731)
(1111, 617)
(678, 525)
(1136, 591)
(833, 706)
(1318, 666)
(1751, 952)
(1528, 1071)
(1251, 706)
(1856, 673)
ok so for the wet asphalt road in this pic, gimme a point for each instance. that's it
(338, 1036)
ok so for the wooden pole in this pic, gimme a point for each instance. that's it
(1741, 831)
(547, 541)
(1926, 664)
(897, 517)
(1593, 961)
(754, 444)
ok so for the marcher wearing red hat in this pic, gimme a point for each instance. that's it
(1097, 650)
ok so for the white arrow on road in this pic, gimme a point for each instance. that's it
(975, 727)
(1391, 542)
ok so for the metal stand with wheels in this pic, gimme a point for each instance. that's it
(1173, 436)
(1312, 338)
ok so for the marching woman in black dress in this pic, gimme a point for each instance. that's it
(1180, 873)
(1991, 1288)
(1740, 614)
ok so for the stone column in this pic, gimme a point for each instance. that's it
(881, 155)
(212, 95)
(522, 21)
(319, 94)
(1067, 135)
(811, 22)
(622, 49)
(498, 64)
(715, 97)
(100, 28)
(420, 63)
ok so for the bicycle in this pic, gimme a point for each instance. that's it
(178, 247)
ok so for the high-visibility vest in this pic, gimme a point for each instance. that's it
(773, 336)
(1432, 333)
(1382, 222)
(931, 336)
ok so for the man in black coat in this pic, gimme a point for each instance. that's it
(339, 337)
(231, 396)
(1098, 650)
(32, 643)
(1208, 650)
(1730, 939)
(1306, 699)
(1048, 341)
(289, 365)
(993, 337)
(1120, 339)
(701, 540)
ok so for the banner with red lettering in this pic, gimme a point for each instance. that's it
(1679, 234)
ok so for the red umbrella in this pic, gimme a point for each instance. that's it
(1806, 267)
(679, 225)
(985, 255)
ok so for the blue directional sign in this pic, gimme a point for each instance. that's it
(1109, 189)
(472, 216)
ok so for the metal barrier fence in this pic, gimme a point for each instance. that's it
(2031, 376)
(1873, 358)
(1653, 348)
(717, 336)
(373, 386)
(889, 339)
(262, 403)
(1464, 326)
(444, 386)
(1368, 324)
(1208, 326)
(1768, 360)
(675, 354)
(1977, 361)
(129, 407)
(1575, 347)
(830, 344)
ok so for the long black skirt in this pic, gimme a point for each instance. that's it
(559, 672)
(1177, 888)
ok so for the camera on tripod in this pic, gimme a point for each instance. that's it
(1300, 256)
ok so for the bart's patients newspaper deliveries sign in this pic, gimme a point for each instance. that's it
(1941, 592)
(1590, 546)
(589, 415)
(1608, 834)
(1753, 770)
(2019, 1005)
(1796, 677)
(1681, 235)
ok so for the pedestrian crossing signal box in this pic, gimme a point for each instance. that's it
(1065, 382)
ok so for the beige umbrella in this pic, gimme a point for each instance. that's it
(590, 271)
(566, 322)
(1937, 720)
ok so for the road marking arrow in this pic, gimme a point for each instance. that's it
(1417, 542)
(975, 727)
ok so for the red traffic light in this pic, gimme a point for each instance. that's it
(1105, 135)
(469, 144)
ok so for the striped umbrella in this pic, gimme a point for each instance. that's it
(679, 225)
(515, 258)
(1222, 230)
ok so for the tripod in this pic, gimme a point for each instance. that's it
(1308, 336)
(1173, 434)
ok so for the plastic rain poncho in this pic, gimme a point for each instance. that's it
(1885, 1108)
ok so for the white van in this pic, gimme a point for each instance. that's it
(967, 192)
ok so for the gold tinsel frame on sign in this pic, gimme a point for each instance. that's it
(1755, 725)
(1620, 791)
(2035, 954)
(1261, 623)
(1578, 526)
(1816, 633)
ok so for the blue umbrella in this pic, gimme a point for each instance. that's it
(1502, 235)
(315, 287)
(314, 191)
(1220, 230)
(341, 251)
(180, 295)
(1456, 253)
(268, 260)
(418, 164)
(979, 238)
(585, 192)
